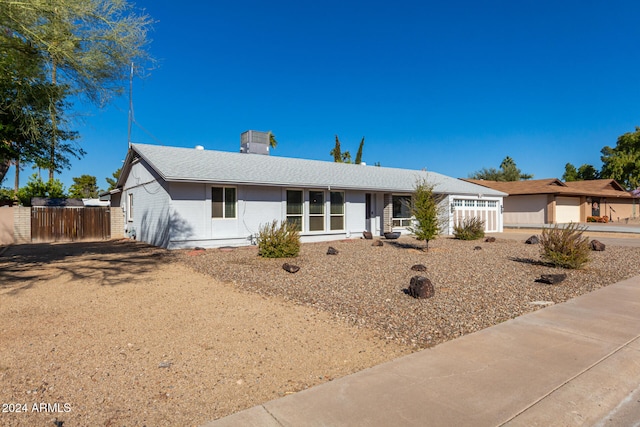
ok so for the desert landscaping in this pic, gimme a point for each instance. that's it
(121, 333)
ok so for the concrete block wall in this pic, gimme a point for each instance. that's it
(22, 224)
(6, 225)
(117, 222)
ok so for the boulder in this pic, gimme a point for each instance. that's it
(419, 267)
(377, 243)
(421, 287)
(367, 235)
(533, 240)
(551, 279)
(290, 268)
(490, 239)
(332, 251)
(597, 245)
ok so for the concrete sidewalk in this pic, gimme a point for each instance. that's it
(571, 364)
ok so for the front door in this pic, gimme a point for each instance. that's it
(368, 215)
(595, 206)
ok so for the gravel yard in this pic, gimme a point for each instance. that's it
(477, 284)
(120, 333)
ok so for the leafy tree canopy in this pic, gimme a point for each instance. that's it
(114, 179)
(622, 162)
(508, 172)
(84, 187)
(63, 47)
(583, 173)
(426, 212)
(37, 188)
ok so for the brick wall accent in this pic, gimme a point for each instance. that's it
(117, 222)
(388, 212)
(22, 224)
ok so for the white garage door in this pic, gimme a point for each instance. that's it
(487, 210)
(567, 209)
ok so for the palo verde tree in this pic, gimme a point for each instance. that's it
(622, 162)
(87, 45)
(426, 211)
(25, 97)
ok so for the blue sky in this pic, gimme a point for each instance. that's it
(448, 86)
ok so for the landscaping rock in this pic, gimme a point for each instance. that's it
(332, 251)
(419, 267)
(377, 243)
(533, 240)
(290, 268)
(421, 287)
(490, 239)
(551, 279)
(477, 248)
(367, 235)
(597, 245)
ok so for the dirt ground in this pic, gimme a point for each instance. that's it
(118, 333)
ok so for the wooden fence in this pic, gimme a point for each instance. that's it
(64, 224)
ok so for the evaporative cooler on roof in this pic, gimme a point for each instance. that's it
(254, 142)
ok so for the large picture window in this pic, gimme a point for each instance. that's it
(401, 211)
(337, 210)
(295, 208)
(223, 202)
(316, 210)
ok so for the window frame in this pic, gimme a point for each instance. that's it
(225, 204)
(333, 215)
(300, 215)
(130, 207)
(313, 215)
(400, 221)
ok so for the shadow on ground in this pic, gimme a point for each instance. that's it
(110, 263)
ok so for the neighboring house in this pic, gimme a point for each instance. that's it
(550, 201)
(181, 197)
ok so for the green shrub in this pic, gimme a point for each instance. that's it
(469, 229)
(565, 247)
(278, 241)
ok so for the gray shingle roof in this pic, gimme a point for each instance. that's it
(192, 165)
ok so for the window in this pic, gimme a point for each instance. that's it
(337, 210)
(130, 207)
(457, 202)
(316, 210)
(492, 203)
(223, 202)
(482, 203)
(401, 211)
(469, 203)
(294, 208)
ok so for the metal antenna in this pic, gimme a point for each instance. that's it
(130, 106)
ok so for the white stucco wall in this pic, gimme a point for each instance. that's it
(529, 209)
(150, 220)
(178, 215)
